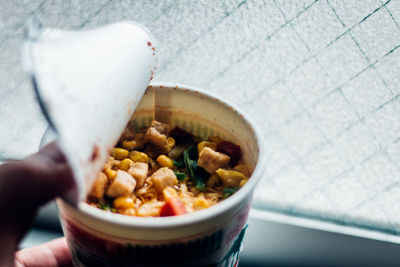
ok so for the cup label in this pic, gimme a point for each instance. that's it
(219, 247)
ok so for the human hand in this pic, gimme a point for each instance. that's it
(24, 187)
(52, 254)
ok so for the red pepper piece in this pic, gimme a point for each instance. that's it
(173, 207)
(230, 149)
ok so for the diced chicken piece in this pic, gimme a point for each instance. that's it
(154, 137)
(162, 178)
(139, 171)
(211, 160)
(99, 185)
(169, 192)
(123, 185)
(157, 133)
(204, 144)
(150, 209)
(188, 202)
(162, 128)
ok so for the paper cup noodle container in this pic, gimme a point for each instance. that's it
(210, 237)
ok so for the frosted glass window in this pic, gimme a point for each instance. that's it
(321, 78)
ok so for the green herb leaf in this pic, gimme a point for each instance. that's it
(104, 206)
(191, 167)
(180, 175)
(228, 191)
(178, 163)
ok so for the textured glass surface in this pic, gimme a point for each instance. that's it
(321, 78)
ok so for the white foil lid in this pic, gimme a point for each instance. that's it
(88, 84)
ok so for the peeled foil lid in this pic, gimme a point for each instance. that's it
(88, 84)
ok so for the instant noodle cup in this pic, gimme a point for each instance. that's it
(209, 237)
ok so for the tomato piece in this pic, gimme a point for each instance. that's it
(172, 207)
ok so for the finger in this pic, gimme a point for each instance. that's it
(52, 254)
(51, 152)
(56, 176)
(32, 182)
(49, 181)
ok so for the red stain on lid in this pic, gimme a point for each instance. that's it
(95, 153)
(148, 43)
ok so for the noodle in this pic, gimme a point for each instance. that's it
(159, 172)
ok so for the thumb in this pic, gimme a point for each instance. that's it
(24, 186)
(52, 254)
(36, 179)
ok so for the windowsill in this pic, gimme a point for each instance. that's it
(281, 239)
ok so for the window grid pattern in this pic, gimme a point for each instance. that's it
(319, 77)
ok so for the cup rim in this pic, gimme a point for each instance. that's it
(198, 216)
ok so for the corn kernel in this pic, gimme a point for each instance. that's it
(170, 142)
(164, 161)
(203, 144)
(123, 202)
(138, 156)
(129, 145)
(125, 164)
(120, 153)
(167, 147)
(111, 173)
